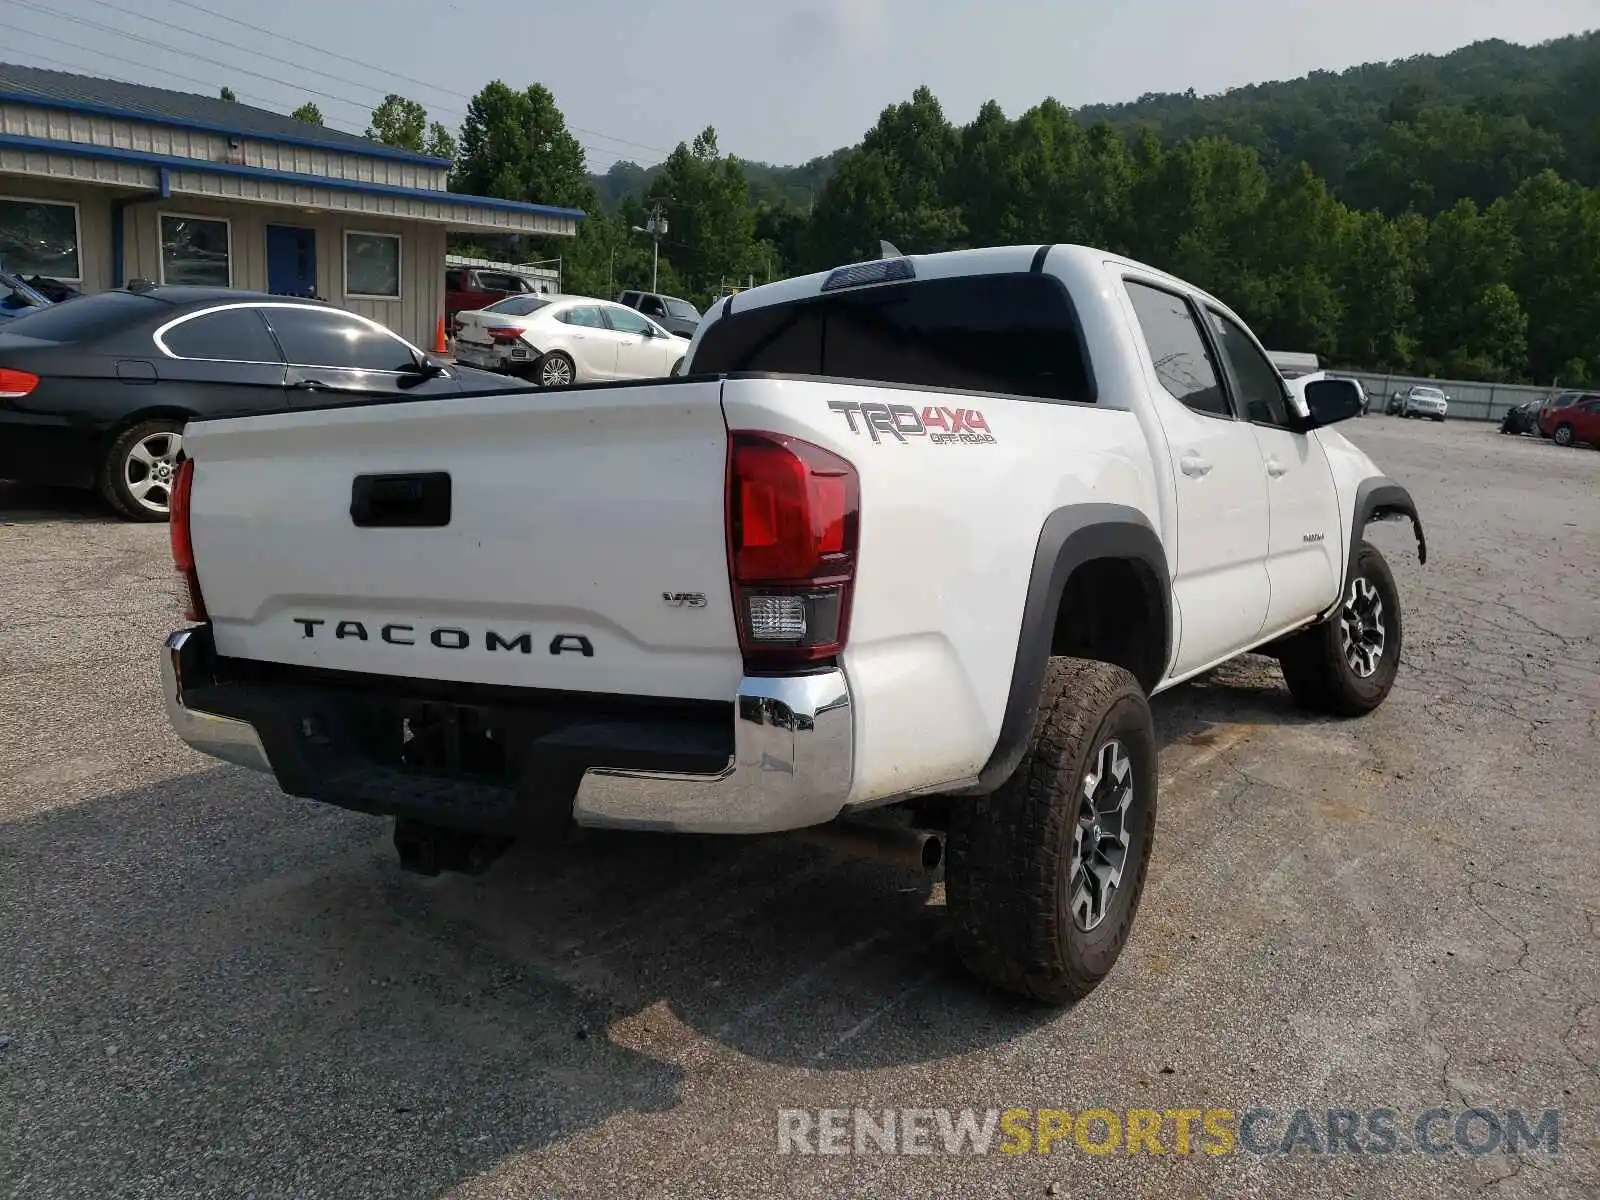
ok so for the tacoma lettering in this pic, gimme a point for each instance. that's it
(451, 638)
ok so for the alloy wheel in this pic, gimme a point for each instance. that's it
(1361, 630)
(1100, 841)
(555, 372)
(151, 469)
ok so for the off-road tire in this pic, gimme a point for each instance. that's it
(1009, 854)
(1315, 666)
(113, 483)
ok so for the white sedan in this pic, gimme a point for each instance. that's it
(562, 340)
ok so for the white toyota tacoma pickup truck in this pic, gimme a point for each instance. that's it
(928, 530)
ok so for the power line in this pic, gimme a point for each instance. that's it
(79, 68)
(363, 106)
(442, 90)
(210, 61)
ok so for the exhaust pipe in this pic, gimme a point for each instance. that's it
(900, 845)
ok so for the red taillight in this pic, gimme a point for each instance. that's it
(793, 524)
(14, 385)
(183, 541)
(503, 333)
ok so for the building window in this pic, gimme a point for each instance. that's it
(39, 237)
(196, 250)
(372, 265)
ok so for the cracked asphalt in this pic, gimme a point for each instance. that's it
(209, 989)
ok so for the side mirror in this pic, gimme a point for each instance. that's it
(429, 367)
(1330, 401)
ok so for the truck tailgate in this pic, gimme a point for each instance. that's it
(583, 548)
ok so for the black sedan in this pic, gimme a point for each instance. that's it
(95, 393)
(1524, 418)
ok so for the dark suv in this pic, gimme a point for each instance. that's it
(675, 315)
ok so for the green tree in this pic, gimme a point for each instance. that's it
(705, 197)
(399, 122)
(441, 142)
(516, 145)
(892, 188)
(227, 94)
(307, 112)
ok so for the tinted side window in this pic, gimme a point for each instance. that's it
(653, 306)
(629, 298)
(625, 320)
(233, 335)
(1182, 362)
(455, 281)
(585, 315)
(324, 338)
(1012, 334)
(1256, 382)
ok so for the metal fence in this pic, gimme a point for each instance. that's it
(1469, 401)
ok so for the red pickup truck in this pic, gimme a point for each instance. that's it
(467, 289)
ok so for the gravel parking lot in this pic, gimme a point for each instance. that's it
(207, 988)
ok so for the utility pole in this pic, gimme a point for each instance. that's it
(656, 227)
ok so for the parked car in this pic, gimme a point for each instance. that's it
(672, 314)
(1419, 401)
(18, 298)
(1524, 418)
(562, 340)
(917, 530)
(1572, 417)
(470, 288)
(95, 393)
(1366, 402)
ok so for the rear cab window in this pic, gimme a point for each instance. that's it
(1014, 335)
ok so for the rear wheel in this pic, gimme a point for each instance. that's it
(1043, 877)
(1563, 435)
(1346, 665)
(557, 370)
(141, 468)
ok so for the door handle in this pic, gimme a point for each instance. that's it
(309, 385)
(1194, 466)
(1276, 469)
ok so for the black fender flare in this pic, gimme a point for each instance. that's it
(1379, 499)
(1069, 538)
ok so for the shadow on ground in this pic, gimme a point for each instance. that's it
(207, 983)
(22, 504)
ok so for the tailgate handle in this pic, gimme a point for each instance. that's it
(418, 501)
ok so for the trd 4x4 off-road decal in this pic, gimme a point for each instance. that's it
(941, 426)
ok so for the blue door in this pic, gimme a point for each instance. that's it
(291, 261)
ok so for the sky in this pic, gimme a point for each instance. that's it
(782, 81)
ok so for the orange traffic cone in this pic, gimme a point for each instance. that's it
(440, 346)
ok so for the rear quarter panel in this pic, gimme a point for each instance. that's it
(948, 533)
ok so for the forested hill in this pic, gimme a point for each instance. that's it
(779, 187)
(1420, 132)
(1416, 133)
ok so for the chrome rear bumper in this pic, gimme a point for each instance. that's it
(221, 737)
(791, 767)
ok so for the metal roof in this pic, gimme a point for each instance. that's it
(209, 114)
